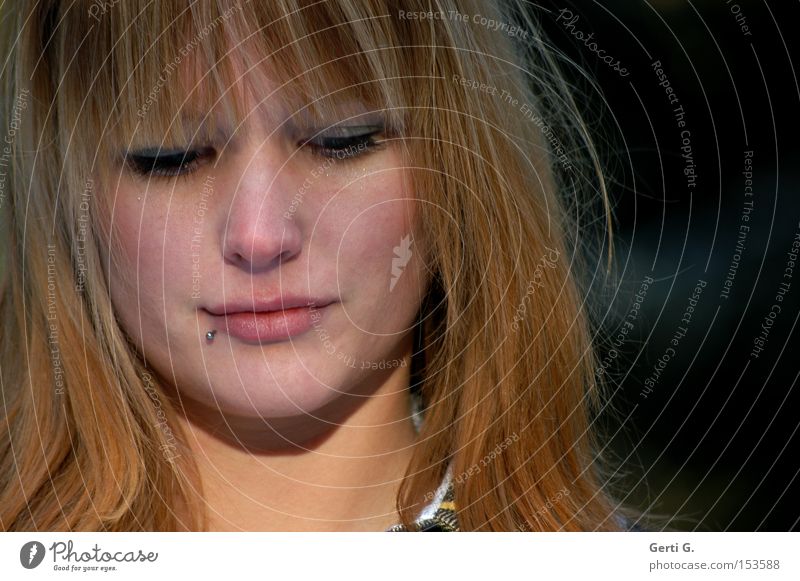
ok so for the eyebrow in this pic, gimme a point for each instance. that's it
(195, 124)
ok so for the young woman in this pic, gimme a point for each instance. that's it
(293, 265)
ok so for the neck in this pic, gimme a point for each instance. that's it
(339, 471)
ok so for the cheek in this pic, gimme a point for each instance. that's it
(370, 224)
(377, 260)
(371, 238)
(148, 238)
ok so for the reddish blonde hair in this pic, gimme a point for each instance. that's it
(508, 380)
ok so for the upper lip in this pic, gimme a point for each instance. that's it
(265, 305)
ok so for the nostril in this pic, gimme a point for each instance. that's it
(285, 255)
(235, 259)
(257, 239)
(239, 260)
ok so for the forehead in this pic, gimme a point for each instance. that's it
(157, 70)
(242, 90)
(256, 86)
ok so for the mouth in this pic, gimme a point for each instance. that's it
(267, 323)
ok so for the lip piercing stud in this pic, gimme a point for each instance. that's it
(210, 335)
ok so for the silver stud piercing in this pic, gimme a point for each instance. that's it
(210, 335)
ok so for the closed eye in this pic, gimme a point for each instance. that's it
(345, 142)
(167, 163)
(337, 143)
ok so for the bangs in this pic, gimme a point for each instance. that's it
(161, 73)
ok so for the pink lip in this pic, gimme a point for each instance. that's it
(270, 320)
(253, 304)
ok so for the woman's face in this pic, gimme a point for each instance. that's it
(261, 222)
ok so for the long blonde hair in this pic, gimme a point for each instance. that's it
(508, 374)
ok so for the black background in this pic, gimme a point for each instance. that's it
(715, 443)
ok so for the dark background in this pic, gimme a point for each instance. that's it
(715, 443)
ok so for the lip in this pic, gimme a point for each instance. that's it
(267, 320)
(254, 304)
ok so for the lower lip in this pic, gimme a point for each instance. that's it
(268, 327)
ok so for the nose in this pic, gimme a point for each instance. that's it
(260, 233)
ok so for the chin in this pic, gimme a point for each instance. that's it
(278, 392)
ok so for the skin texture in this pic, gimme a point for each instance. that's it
(287, 433)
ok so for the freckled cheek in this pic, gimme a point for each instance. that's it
(363, 225)
(162, 263)
(377, 268)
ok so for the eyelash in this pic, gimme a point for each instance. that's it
(170, 163)
(178, 163)
(345, 147)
